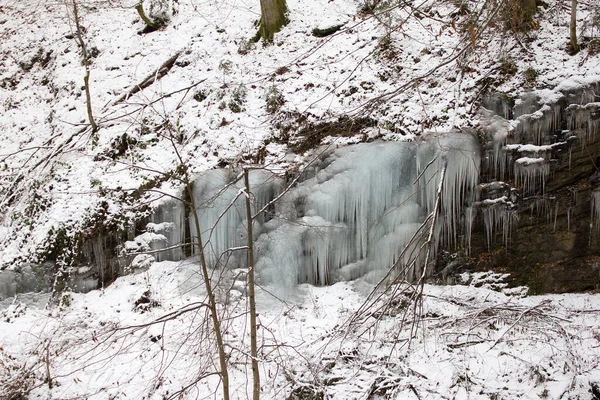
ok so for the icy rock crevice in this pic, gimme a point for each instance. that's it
(27, 278)
(535, 144)
(540, 174)
(168, 220)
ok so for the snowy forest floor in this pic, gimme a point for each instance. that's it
(148, 336)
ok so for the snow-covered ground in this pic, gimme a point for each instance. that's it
(148, 335)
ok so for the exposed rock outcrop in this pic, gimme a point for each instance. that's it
(538, 217)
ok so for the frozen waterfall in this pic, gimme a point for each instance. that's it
(351, 214)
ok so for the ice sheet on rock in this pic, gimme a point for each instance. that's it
(219, 197)
(352, 213)
(168, 219)
(361, 205)
(26, 279)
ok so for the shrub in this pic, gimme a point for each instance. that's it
(530, 75)
(159, 11)
(226, 66)
(274, 99)
(518, 15)
(238, 98)
(16, 380)
(594, 47)
(508, 66)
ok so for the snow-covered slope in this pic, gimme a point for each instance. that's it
(147, 336)
(411, 68)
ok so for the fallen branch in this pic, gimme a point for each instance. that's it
(516, 322)
(150, 79)
(465, 344)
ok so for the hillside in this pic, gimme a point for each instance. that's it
(402, 72)
(84, 197)
(147, 337)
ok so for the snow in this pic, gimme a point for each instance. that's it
(577, 82)
(409, 83)
(413, 76)
(475, 340)
(526, 161)
(142, 242)
(530, 148)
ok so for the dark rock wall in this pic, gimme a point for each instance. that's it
(537, 217)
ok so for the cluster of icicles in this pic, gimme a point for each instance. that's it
(525, 148)
(353, 212)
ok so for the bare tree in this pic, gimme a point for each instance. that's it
(251, 294)
(573, 28)
(86, 61)
(400, 285)
(212, 302)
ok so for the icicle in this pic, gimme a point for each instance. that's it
(549, 214)
(531, 174)
(168, 219)
(555, 216)
(221, 211)
(582, 122)
(99, 256)
(510, 218)
(595, 220)
(499, 215)
(470, 214)
(355, 206)
(364, 204)
(592, 206)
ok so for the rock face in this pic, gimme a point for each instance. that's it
(538, 214)
(535, 213)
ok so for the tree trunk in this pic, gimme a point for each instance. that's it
(273, 17)
(86, 63)
(212, 303)
(251, 295)
(140, 9)
(574, 44)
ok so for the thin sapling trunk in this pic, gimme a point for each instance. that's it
(86, 63)
(251, 294)
(573, 28)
